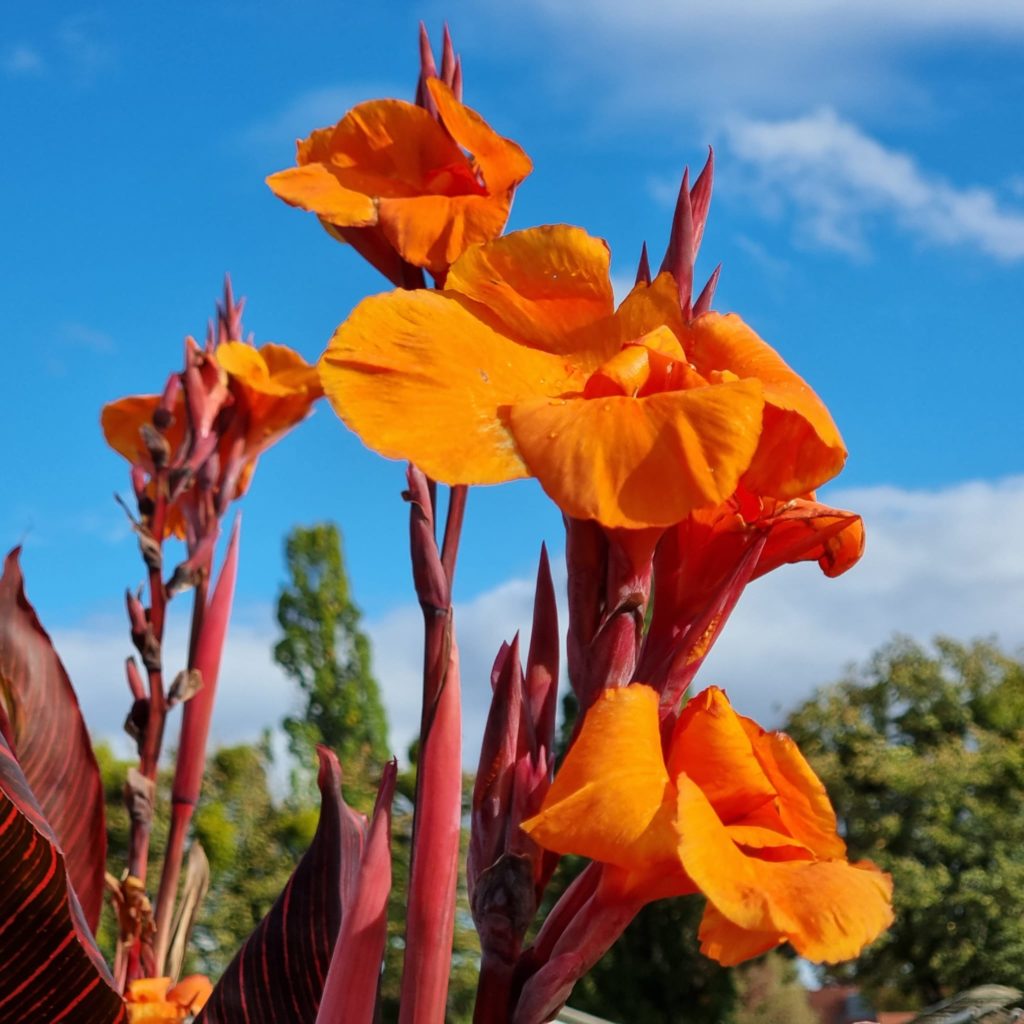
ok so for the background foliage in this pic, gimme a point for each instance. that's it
(923, 755)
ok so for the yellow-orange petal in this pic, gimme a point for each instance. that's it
(728, 944)
(638, 462)
(803, 803)
(800, 446)
(649, 306)
(433, 231)
(827, 909)
(417, 376)
(545, 286)
(271, 370)
(316, 188)
(502, 162)
(122, 421)
(611, 799)
(712, 747)
(192, 992)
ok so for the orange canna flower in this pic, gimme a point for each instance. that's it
(155, 1001)
(272, 389)
(730, 810)
(389, 175)
(522, 366)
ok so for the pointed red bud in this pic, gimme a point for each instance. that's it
(643, 270)
(707, 295)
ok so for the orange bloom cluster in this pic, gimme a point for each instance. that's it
(523, 366)
(389, 175)
(155, 1001)
(271, 389)
(728, 810)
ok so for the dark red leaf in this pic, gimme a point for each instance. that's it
(49, 739)
(278, 976)
(50, 968)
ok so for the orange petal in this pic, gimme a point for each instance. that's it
(544, 286)
(803, 530)
(316, 188)
(638, 462)
(387, 148)
(270, 370)
(191, 992)
(728, 944)
(800, 446)
(502, 163)
(121, 422)
(828, 909)
(712, 747)
(649, 306)
(611, 799)
(433, 231)
(417, 376)
(148, 990)
(803, 804)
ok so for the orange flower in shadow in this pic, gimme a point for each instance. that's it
(269, 390)
(522, 366)
(730, 810)
(389, 176)
(155, 1001)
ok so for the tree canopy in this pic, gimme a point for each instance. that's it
(324, 649)
(922, 753)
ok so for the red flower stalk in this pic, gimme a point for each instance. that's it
(507, 870)
(433, 871)
(205, 659)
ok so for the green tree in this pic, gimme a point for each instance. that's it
(251, 840)
(923, 755)
(326, 652)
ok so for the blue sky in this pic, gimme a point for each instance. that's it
(869, 213)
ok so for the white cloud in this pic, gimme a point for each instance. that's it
(83, 336)
(937, 562)
(708, 56)
(83, 42)
(316, 108)
(22, 61)
(839, 182)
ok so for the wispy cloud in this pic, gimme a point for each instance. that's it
(708, 56)
(935, 563)
(315, 108)
(87, 50)
(22, 61)
(840, 182)
(78, 335)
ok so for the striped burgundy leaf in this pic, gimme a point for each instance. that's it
(50, 968)
(278, 976)
(48, 736)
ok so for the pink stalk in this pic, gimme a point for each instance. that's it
(195, 730)
(430, 914)
(590, 934)
(350, 992)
